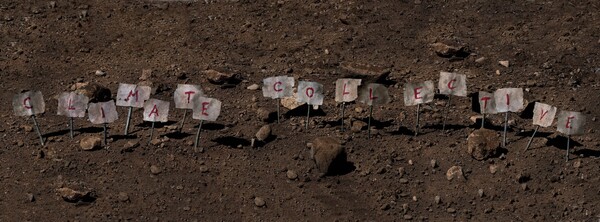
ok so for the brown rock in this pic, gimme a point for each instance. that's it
(123, 197)
(323, 151)
(483, 143)
(154, 169)
(90, 143)
(374, 72)
(262, 114)
(71, 195)
(259, 202)
(146, 74)
(292, 175)
(445, 50)
(263, 133)
(290, 102)
(358, 125)
(455, 172)
(95, 91)
(216, 77)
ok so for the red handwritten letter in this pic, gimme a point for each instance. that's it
(311, 93)
(154, 111)
(451, 85)
(70, 106)
(26, 103)
(371, 97)
(417, 91)
(568, 125)
(543, 114)
(131, 93)
(344, 92)
(189, 94)
(275, 87)
(485, 100)
(507, 100)
(204, 108)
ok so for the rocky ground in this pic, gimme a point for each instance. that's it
(549, 48)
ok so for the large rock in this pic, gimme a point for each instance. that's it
(216, 77)
(263, 133)
(372, 73)
(94, 91)
(358, 125)
(75, 196)
(483, 143)
(90, 143)
(290, 103)
(455, 173)
(447, 51)
(323, 151)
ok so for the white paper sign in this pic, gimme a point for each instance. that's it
(28, 103)
(543, 114)
(374, 94)
(310, 92)
(184, 95)
(103, 112)
(156, 110)
(486, 103)
(72, 104)
(509, 100)
(206, 108)
(453, 84)
(278, 87)
(132, 95)
(346, 90)
(571, 123)
(418, 93)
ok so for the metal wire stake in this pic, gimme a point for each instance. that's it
(278, 108)
(446, 112)
(343, 107)
(369, 123)
(151, 132)
(183, 120)
(505, 126)
(71, 127)
(104, 135)
(128, 120)
(567, 156)
(307, 115)
(482, 120)
(198, 137)
(418, 116)
(37, 129)
(531, 139)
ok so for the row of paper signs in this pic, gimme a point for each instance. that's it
(187, 96)
(72, 104)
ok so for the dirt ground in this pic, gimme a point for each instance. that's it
(553, 52)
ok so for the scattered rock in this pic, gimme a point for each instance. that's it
(385, 207)
(20, 143)
(203, 169)
(433, 163)
(448, 51)
(154, 169)
(146, 74)
(75, 196)
(323, 151)
(216, 77)
(475, 118)
(455, 172)
(290, 102)
(407, 217)
(30, 197)
(259, 202)
(504, 63)
(577, 163)
(292, 175)
(253, 87)
(523, 177)
(373, 72)
(155, 141)
(403, 181)
(123, 197)
(437, 199)
(451, 210)
(89, 143)
(483, 143)
(130, 146)
(480, 60)
(263, 133)
(100, 73)
(94, 91)
(262, 114)
(27, 128)
(480, 193)
(400, 171)
(493, 168)
(358, 125)
(524, 187)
